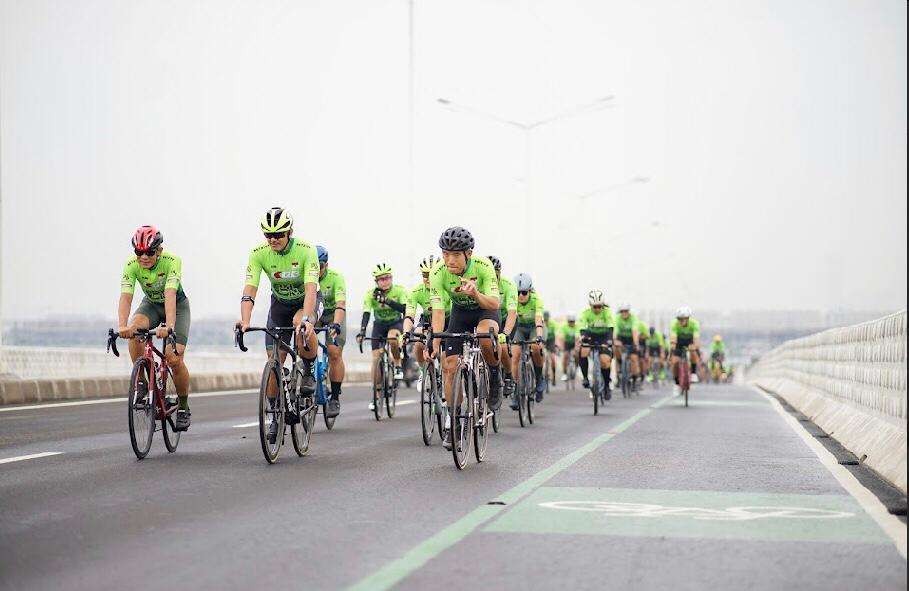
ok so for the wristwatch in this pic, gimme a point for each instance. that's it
(305, 319)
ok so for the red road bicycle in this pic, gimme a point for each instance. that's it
(148, 405)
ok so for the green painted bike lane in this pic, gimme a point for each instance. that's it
(550, 513)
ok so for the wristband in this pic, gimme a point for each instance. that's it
(247, 298)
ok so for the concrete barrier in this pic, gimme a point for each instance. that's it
(30, 391)
(851, 382)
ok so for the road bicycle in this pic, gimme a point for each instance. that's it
(526, 385)
(433, 408)
(684, 370)
(385, 386)
(282, 401)
(597, 384)
(148, 406)
(470, 414)
(320, 372)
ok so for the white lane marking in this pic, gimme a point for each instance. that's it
(30, 457)
(256, 423)
(892, 526)
(121, 399)
(748, 513)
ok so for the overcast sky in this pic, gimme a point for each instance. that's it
(773, 134)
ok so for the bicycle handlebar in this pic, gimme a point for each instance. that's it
(142, 333)
(272, 332)
(491, 335)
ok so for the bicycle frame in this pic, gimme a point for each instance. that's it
(159, 369)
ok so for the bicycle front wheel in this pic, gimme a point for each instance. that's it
(141, 408)
(391, 391)
(427, 405)
(271, 411)
(481, 421)
(461, 419)
(301, 433)
(530, 390)
(378, 390)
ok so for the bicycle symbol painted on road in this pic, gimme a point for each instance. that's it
(746, 513)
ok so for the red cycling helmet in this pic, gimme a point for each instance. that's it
(147, 238)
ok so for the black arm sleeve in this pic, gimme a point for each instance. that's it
(364, 322)
(395, 306)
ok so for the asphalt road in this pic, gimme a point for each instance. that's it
(724, 494)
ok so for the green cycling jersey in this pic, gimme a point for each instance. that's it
(642, 327)
(718, 347)
(333, 289)
(551, 330)
(289, 271)
(689, 332)
(443, 283)
(656, 340)
(420, 296)
(625, 327)
(508, 295)
(529, 310)
(568, 333)
(397, 294)
(166, 274)
(596, 323)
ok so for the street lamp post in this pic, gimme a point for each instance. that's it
(527, 129)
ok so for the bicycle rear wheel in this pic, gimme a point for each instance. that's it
(427, 405)
(391, 391)
(521, 393)
(301, 433)
(530, 390)
(461, 419)
(271, 410)
(329, 421)
(480, 420)
(141, 409)
(171, 436)
(378, 389)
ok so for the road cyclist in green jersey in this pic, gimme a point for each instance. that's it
(566, 340)
(334, 297)
(165, 307)
(420, 298)
(625, 336)
(642, 350)
(656, 349)
(684, 331)
(508, 317)
(551, 328)
(388, 302)
(292, 267)
(471, 285)
(529, 327)
(595, 325)
(717, 358)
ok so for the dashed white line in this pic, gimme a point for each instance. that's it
(30, 457)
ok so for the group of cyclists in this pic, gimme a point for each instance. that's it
(460, 292)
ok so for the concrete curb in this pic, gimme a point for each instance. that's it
(18, 391)
(879, 441)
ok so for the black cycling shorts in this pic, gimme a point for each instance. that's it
(380, 331)
(463, 320)
(281, 313)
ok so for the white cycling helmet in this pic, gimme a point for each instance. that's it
(570, 318)
(683, 312)
(523, 282)
(624, 307)
(596, 298)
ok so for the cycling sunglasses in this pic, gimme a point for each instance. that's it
(425, 275)
(149, 253)
(523, 293)
(275, 235)
(598, 306)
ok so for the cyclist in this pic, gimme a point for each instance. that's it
(529, 326)
(644, 364)
(567, 337)
(164, 306)
(334, 297)
(625, 335)
(508, 315)
(595, 325)
(551, 330)
(717, 357)
(656, 349)
(684, 331)
(292, 267)
(470, 283)
(389, 302)
(419, 296)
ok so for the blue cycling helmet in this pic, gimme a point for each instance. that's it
(323, 254)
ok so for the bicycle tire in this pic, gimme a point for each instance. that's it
(269, 413)
(301, 432)
(480, 420)
(427, 406)
(329, 421)
(170, 435)
(391, 394)
(531, 392)
(461, 421)
(521, 393)
(141, 416)
(378, 393)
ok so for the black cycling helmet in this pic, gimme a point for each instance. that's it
(652, 330)
(456, 238)
(496, 263)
